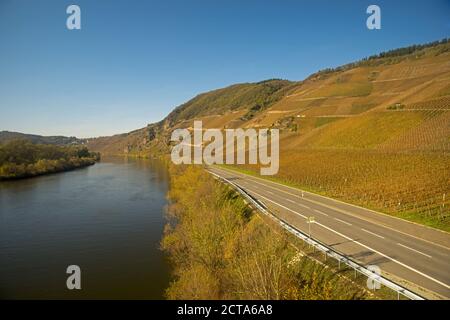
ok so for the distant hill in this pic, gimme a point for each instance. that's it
(6, 136)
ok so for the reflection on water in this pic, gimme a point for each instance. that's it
(107, 218)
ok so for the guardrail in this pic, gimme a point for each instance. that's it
(329, 252)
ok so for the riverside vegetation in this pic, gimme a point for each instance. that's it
(221, 249)
(21, 159)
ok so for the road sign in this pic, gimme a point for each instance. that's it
(311, 219)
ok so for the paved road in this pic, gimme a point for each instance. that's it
(412, 255)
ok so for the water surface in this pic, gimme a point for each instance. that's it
(107, 218)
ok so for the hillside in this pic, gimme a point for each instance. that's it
(415, 77)
(231, 106)
(375, 132)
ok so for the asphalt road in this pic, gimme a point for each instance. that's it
(415, 256)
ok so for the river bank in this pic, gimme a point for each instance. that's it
(43, 167)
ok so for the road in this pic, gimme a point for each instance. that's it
(412, 255)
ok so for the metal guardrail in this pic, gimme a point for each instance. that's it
(329, 252)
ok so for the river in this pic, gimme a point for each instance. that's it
(107, 218)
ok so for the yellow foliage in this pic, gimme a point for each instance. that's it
(221, 250)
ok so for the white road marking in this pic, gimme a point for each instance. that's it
(426, 255)
(318, 211)
(349, 224)
(251, 178)
(372, 233)
(302, 205)
(290, 200)
(362, 245)
(280, 205)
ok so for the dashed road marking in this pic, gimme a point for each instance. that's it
(349, 224)
(372, 233)
(426, 255)
(318, 211)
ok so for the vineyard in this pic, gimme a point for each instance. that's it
(384, 145)
(431, 135)
(434, 104)
(412, 186)
(393, 161)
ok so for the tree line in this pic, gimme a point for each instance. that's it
(21, 158)
(395, 55)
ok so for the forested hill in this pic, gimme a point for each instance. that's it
(6, 136)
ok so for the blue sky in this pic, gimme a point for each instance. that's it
(134, 61)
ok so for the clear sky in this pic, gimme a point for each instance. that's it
(134, 61)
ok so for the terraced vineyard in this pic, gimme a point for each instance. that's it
(387, 148)
(435, 104)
